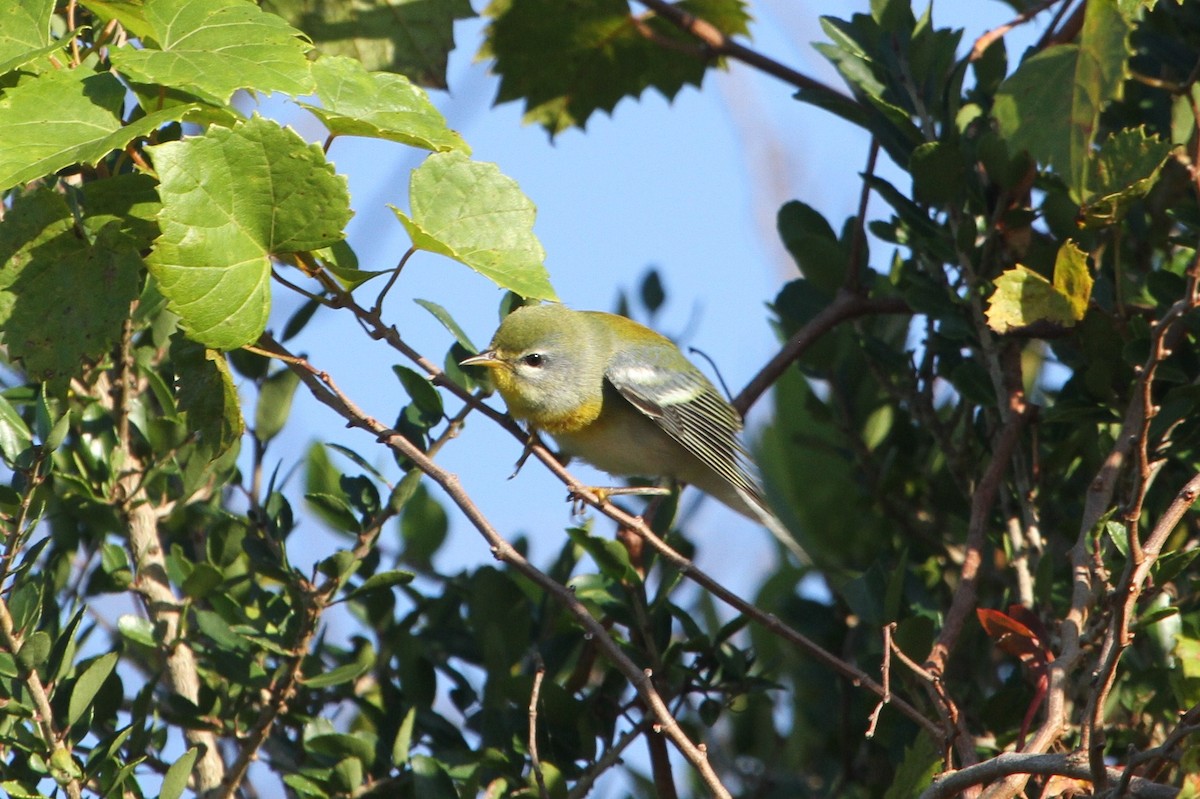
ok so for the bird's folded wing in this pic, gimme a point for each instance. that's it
(689, 409)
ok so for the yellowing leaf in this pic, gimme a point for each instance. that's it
(1023, 297)
(1072, 278)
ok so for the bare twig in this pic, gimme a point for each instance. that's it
(854, 261)
(846, 305)
(886, 675)
(985, 41)
(719, 44)
(534, 761)
(610, 758)
(141, 515)
(324, 390)
(1020, 763)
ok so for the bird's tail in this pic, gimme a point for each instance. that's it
(755, 507)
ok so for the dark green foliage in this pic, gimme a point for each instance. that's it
(1003, 401)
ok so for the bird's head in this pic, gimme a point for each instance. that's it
(545, 362)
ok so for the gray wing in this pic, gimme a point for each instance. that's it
(688, 408)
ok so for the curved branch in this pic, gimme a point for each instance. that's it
(718, 44)
(845, 305)
(1013, 763)
(324, 390)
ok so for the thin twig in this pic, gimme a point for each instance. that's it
(610, 758)
(985, 41)
(719, 44)
(845, 305)
(535, 762)
(1020, 763)
(324, 390)
(854, 261)
(886, 674)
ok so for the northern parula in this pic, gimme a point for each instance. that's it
(626, 400)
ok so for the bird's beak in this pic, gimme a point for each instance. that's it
(485, 358)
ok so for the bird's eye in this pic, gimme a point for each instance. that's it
(534, 359)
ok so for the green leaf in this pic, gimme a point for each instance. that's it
(443, 316)
(1123, 170)
(568, 65)
(137, 629)
(338, 675)
(469, 211)
(921, 762)
(341, 745)
(208, 396)
(427, 398)
(611, 556)
(411, 37)
(34, 650)
(15, 437)
(88, 685)
(381, 105)
(176, 778)
(1051, 105)
(1072, 278)
(66, 117)
(203, 578)
(1023, 297)
(382, 581)
(939, 172)
(323, 490)
(403, 742)
(274, 404)
(813, 244)
(423, 526)
(430, 780)
(24, 26)
(232, 198)
(66, 299)
(215, 47)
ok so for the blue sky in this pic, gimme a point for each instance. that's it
(689, 186)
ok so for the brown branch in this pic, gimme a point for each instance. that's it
(719, 44)
(768, 621)
(854, 261)
(1020, 763)
(963, 601)
(1118, 637)
(985, 41)
(845, 305)
(535, 761)
(886, 675)
(141, 514)
(324, 390)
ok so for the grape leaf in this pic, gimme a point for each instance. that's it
(231, 198)
(469, 211)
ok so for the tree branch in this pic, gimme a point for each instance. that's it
(1020, 763)
(719, 44)
(845, 305)
(324, 390)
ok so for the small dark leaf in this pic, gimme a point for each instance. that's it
(274, 403)
(88, 685)
(652, 291)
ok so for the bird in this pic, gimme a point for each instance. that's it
(625, 399)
